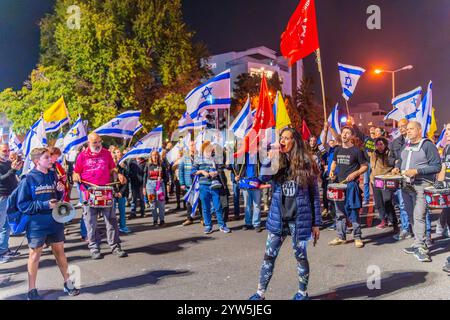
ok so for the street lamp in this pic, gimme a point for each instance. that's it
(378, 71)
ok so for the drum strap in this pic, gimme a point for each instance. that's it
(410, 152)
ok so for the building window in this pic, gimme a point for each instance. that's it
(259, 72)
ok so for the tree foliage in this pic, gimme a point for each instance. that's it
(135, 54)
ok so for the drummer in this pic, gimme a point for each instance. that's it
(443, 225)
(422, 155)
(349, 163)
(382, 164)
(95, 166)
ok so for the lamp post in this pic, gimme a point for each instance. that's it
(393, 72)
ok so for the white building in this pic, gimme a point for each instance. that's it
(256, 61)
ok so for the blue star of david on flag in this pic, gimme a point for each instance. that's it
(206, 93)
(115, 123)
(348, 82)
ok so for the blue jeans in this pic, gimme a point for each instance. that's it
(252, 200)
(367, 185)
(273, 245)
(121, 202)
(206, 196)
(428, 223)
(404, 218)
(236, 195)
(160, 206)
(4, 237)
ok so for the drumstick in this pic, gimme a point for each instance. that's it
(90, 184)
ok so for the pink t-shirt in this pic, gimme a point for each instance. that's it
(95, 167)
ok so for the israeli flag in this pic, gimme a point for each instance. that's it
(441, 143)
(14, 143)
(424, 111)
(395, 114)
(181, 145)
(333, 120)
(407, 103)
(76, 137)
(122, 126)
(186, 123)
(35, 138)
(213, 94)
(395, 133)
(349, 78)
(243, 122)
(143, 148)
(193, 195)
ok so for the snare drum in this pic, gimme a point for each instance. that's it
(100, 197)
(336, 191)
(388, 182)
(437, 198)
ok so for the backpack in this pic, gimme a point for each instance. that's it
(18, 221)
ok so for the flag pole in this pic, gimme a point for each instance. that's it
(319, 65)
(346, 104)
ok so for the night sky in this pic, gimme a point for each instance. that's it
(413, 32)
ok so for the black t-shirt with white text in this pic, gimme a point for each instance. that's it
(348, 160)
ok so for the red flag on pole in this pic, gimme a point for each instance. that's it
(300, 38)
(306, 133)
(264, 119)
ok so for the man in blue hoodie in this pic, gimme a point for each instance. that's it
(37, 197)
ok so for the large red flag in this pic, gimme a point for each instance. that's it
(300, 38)
(264, 119)
(306, 133)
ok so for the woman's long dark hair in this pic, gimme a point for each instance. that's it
(299, 165)
(382, 156)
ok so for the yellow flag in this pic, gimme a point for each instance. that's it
(433, 126)
(283, 119)
(56, 112)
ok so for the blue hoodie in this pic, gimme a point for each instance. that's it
(33, 199)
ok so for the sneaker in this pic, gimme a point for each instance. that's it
(256, 297)
(162, 223)
(208, 230)
(187, 222)
(258, 229)
(119, 252)
(299, 296)
(409, 250)
(332, 227)
(225, 229)
(396, 229)
(4, 258)
(33, 295)
(124, 230)
(446, 268)
(96, 255)
(132, 216)
(70, 289)
(336, 242)
(365, 203)
(428, 242)
(359, 243)
(381, 225)
(155, 223)
(422, 255)
(78, 205)
(248, 227)
(402, 235)
(324, 213)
